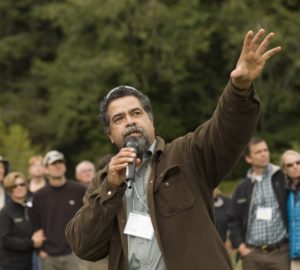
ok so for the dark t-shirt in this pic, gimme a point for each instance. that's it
(52, 208)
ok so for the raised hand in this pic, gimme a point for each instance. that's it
(253, 58)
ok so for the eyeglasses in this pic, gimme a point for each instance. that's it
(290, 165)
(19, 185)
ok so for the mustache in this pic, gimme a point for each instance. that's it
(133, 129)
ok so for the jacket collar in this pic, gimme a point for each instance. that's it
(271, 170)
(159, 148)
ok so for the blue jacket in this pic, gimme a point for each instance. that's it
(293, 213)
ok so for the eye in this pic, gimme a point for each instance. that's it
(137, 112)
(117, 119)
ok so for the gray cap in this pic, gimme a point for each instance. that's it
(53, 156)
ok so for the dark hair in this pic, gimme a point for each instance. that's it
(253, 141)
(118, 92)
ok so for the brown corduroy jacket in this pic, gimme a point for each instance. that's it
(179, 193)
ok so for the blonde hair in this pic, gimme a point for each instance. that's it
(34, 159)
(10, 180)
(285, 154)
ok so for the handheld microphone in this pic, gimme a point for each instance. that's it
(132, 142)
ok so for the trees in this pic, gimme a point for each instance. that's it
(16, 146)
(58, 58)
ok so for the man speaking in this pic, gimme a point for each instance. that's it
(165, 221)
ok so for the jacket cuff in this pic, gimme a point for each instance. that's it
(240, 99)
(108, 192)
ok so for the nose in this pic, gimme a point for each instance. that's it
(129, 120)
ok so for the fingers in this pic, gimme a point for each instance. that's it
(118, 164)
(265, 43)
(247, 42)
(255, 43)
(268, 54)
(125, 156)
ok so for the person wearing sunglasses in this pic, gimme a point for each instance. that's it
(290, 164)
(16, 231)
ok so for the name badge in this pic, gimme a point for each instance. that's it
(264, 213)
(139, 225)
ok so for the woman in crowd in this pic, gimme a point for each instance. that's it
(17, 240)
(290, 164)
(36, 170)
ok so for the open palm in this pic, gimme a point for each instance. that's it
(253, 58)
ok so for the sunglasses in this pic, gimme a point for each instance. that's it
(290, 165)
(19, 185)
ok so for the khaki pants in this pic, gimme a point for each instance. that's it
(277, 259)
(65, 262)
(295, 265)
(99, 265)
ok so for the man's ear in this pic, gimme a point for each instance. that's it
(111, 139)
(248, 159)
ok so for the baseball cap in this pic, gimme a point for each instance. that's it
(53, 156)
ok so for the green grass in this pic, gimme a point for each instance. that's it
(228, 187)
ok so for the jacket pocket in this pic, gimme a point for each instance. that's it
(173, 194)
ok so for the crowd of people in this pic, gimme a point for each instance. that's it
(165, 220)
(262, 220)
(35, 210)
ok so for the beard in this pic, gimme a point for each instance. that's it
(143, 140)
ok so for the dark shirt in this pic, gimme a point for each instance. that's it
(52, 208)
(221, 206)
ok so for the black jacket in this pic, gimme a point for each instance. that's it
(221, 216)
(240, 206)
(16, 230)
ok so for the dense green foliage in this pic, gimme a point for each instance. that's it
(58, 58)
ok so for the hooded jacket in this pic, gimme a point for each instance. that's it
(179, 193)
(241, 202)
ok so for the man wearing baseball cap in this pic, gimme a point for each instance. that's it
(53, 206)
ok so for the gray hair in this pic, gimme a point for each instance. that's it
(118, 92)
(285, 154)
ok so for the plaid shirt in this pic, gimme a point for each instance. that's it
(265, 232)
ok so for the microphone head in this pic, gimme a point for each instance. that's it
(132, 141)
